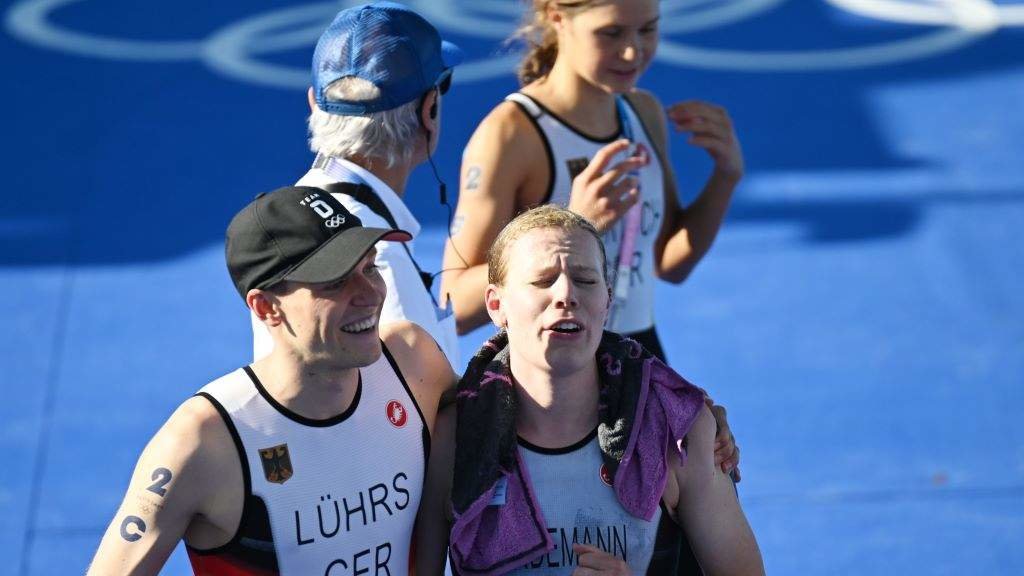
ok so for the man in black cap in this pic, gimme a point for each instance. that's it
(310, 460)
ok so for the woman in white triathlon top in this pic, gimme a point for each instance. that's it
(579, 133)
(560, 139)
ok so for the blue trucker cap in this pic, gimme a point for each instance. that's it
(386, 44)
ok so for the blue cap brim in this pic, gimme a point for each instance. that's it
(451, 54)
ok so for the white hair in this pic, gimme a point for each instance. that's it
(387, 135)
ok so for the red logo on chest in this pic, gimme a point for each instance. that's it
(605, 476)
(396, 413)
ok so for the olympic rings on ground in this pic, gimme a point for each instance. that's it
(236, 49)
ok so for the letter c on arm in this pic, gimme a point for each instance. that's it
(135, 535)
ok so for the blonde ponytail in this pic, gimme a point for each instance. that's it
(541, 39)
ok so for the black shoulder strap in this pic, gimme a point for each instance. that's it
(652, 127)
(366, 196)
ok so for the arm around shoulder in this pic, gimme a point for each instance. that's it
(433, 522)
(709, 510)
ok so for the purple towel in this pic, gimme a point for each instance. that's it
(493, 535)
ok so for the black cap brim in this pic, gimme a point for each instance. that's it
(338, 256)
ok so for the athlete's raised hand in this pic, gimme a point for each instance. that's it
(710, 128)
(594, 561)
(602, 194)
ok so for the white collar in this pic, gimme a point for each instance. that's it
(342, 170)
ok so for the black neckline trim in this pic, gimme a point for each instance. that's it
(557, 451)
(639, 120)
(597, 139)
(300, 419)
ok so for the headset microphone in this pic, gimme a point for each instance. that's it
(433, 168)
(441, 187)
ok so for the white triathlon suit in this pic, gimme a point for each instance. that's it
(569, 151)
(335, 496)
(579, 506)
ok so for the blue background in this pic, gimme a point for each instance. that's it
(857, 315)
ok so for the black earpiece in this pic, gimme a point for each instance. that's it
(442, 189)
(432, 112)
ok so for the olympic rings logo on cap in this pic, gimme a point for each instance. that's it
(236, 49)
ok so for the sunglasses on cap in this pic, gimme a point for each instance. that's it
(445, 83)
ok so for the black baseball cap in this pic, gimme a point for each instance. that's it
(297, 233)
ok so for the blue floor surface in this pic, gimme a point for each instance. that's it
(860, 315)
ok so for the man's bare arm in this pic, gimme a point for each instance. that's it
(433, 522)
(709, 510)
(429, 374)
(423, 364)
(165, 493)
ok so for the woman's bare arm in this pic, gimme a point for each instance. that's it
(687, 233)
(503, 170)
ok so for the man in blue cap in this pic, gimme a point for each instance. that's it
(379, 72)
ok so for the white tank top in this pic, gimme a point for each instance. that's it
(341, 494)
(579, 506)
(569, 151)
